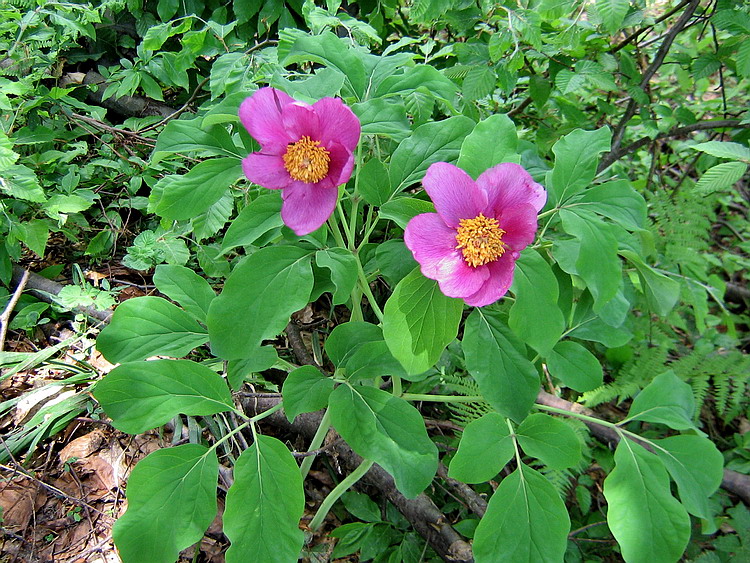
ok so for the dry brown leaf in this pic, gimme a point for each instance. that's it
(20, 498)
(83, 446)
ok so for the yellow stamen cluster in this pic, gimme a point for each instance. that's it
(480, 240)
(306, 160)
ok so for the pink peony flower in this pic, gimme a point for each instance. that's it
(306, 151)
(470, 246)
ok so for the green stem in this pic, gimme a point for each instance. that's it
(349, 242)
(336, 231)
(512, 434)
(320, 434)
(365, 286)
(371, 224)
(396, 381)
(578, 415)
(339, 490)
(443, 398)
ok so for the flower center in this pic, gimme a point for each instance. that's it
(480, 240)
(306, 160)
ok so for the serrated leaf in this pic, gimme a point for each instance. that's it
(305, 390)
(507, 380)
(479, 82)
(720, 177)
(549, 440)
(646, 520)
(613, 13)
(485, 447)
(419, 322)
(385, 428)
(147, 326)
(20, 182)
(139, 396)
(264, 505)
(171, 502)
(183, 285)
(526, 520)
(209, 223)
(721, 149)
(258, 298)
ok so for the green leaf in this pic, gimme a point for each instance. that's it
(183, 285)
(331, 51)
(209, 223)
(171, 502)
(493, 140)
(720, 177)
(20, 182)
(485, 448)
(394, 261)
(549, 440)
(343, 266)
(258, 298)
(696, 465)
(646, 520)
(539, 90)
(426, 76)
(613, 13)
(305, 390)
(661, 292)
(743, 59)
(379, 116)
(495, 359)
(479, 82)
(720, 149)
(666, 400)
(148, 326)
(597, 262)
(575, 366)
(264, 505)
(388, 430)
(576, 159)
(139, 396)
(183, 196)
(526, 521)
(616, 200)
(432, 142)
(261, 216)
(182, 135)
(419, 322)
(8, 157)
(347, 338)
(167, 9)
(34, 234)
(535, 316)
(402, 209)
(374, 183)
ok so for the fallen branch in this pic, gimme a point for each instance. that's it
(5, 316)
(135, 106)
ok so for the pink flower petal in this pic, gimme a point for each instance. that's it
(300, 120)
(307, 206)
(453, 192)
(519, 224)
(433, 245)
(509, 185)
(337, 123)
(500, 278)
(266, 170)
(261, 116)
(340, 168)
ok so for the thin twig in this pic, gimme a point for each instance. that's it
(180, 111)
(630, 38)
(5, 317)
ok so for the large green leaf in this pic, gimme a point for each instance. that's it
(186, 287)
(183, 196)
(616, 200)
(646, 520)
(419, 322)
(425, 76)
(264, 505)
(401, 209)
(258, 298)
(183, 135)
(438, 141)
(535, 316)
(378, 116)
(493, 140)
(139, 396)
(148, 326)
(666, 400)
(305, 389)
(661, 292)
(696, 465)
(550, 440)
(526, 522)
(261, 216)
(507, 380)
(347, 338)
(576, 158)
(575, 366)
(388, 430)
(485, 447)
(171, 501)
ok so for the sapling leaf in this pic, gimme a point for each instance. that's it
(305, 390)
(171, 501)
(186, 287)
(646, 520)
(526, 521)
(147, 326)
(265, 504)
(507, 380)
(666, 400)
(549, 440)
(485, 448)
(139, 396)
(385, 428)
